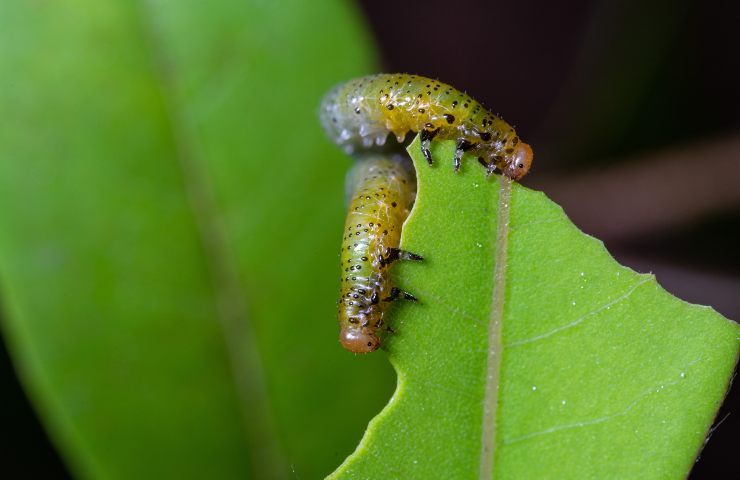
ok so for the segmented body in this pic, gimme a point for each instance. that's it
(383, 191)
(362, 112)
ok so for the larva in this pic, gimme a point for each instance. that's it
(383, 191)
(362, 112)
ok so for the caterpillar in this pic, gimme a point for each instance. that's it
(362, 112)
(382, 190)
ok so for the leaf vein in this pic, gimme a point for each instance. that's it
(582, 318)
(595, 421)
(495, 348)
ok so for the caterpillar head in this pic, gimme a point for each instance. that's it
(357, 340)
(517, 163)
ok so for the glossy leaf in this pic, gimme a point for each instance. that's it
(532, 353)
(170, 214)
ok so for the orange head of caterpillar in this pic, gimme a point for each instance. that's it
(518, 162)
(358, 340)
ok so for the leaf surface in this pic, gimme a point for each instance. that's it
(532, 353)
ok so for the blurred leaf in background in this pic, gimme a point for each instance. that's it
(169, 218)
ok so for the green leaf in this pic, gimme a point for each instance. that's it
(532, 353)
(170, 214)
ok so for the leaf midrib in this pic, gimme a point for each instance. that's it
(495, 348)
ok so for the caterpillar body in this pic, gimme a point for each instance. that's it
(382, 190)
(363, 112)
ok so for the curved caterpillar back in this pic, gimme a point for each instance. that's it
(363, 112)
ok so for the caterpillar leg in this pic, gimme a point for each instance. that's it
(374, 298)
(426, 137)
(384, 326)
(396, 293)
(461, 147)
(393, 254)
(490, 167)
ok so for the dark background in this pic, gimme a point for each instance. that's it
(632, 108)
